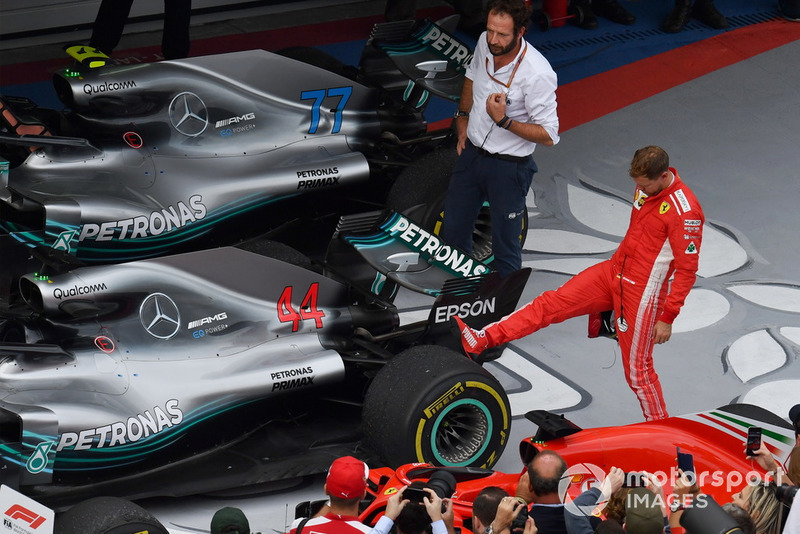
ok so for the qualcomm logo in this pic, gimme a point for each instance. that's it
(160, 316)
(188, 114)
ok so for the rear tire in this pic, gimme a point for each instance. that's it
(107, 515)
(431, 404)
(422, 186)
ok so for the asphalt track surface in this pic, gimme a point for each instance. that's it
(724, 105)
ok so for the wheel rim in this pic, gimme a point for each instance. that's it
(482, 233)
(461, 433)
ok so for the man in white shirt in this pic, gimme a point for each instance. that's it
(507, 107)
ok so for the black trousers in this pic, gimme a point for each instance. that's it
(113, 14)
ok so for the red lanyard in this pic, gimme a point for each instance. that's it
(507, 84)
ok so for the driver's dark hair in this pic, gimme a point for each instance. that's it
(542, 484)
(518, 10)
(484, 507)
(651, 161)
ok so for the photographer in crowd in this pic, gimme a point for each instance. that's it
(484, 508)
(345, 486)
(760, 501)
(645, 505)
(538, 486)
(421, 507)
(508, 519)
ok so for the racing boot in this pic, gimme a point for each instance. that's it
(474, 342)
(708, 14)
(589, 20)
(678, 17)
(613, 11)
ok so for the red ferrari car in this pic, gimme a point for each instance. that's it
(716, 440)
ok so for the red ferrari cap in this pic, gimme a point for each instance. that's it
(347, 478)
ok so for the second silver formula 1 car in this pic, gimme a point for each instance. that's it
(233, 366)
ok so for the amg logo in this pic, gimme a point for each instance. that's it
(443, 314)
(234, 120)
(208, 320)
(291, 384)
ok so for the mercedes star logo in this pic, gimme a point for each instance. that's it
(160, 316)
(188, 114)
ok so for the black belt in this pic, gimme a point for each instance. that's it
(504, 157)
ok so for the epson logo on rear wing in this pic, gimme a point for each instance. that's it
(442, 314)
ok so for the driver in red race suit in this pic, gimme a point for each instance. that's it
(663, 238)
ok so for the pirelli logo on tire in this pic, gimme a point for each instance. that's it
(444, 400)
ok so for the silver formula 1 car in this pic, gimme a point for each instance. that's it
(159, 158)
(233, 366)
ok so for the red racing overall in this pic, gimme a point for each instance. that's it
(663, 239)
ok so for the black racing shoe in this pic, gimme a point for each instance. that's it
(589, 19)
(677, 18)
(709, 15)
(613, 11)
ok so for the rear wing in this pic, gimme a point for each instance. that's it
(383, 251)
(401, 252)
(428, 55)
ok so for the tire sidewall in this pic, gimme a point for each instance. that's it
(473, 393)
(415, 397)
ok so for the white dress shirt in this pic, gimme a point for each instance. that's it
(531, 98)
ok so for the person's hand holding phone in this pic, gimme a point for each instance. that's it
(613, 482)
(685, 485)
(753, 441)
(765, 459)
(634, 479)
(530, 526)
(433, 504)
(507, 510)
(686, 466)
(448, 515)
(395, 504)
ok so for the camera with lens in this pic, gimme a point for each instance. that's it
(518, 525)
(785, 493)
(443, 484)
(709, 519)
